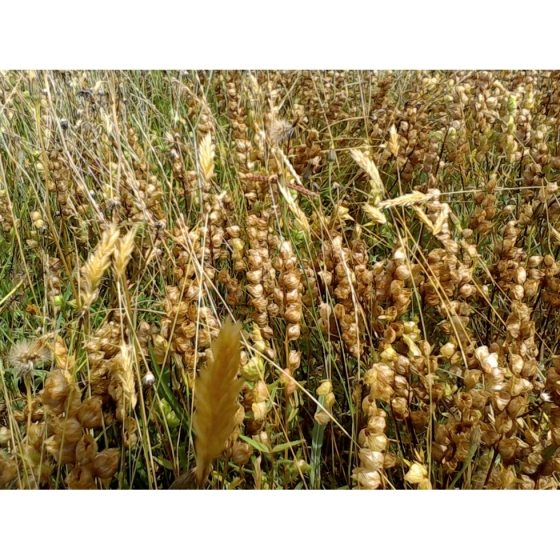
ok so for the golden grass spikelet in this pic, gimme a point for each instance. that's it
(405, 200)
(374, 213)
(126, 375)
(300, 217)
(97, 264)
(440, 221)
(206, 157)
(26, 355)
(215, 397)
(123, 251)
(422, 215)
(393, 141)
(369, 167)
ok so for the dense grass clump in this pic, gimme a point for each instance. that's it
(336, 279)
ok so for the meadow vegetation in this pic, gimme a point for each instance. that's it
(279, 280)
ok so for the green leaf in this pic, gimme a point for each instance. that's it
(284, 446)
(164, 463)
(256, 444)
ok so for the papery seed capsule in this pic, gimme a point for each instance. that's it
(464, 401)
(402, 272)
(500, 400)
(517, 407)
(447, 350)
(81, 478)
(293, 296)
(55, 392)
(289, 281)
(255, 276)
(255, 290)
(90, 414)
(241, 453)
(293, 331)
(294, 359)
(400, 407)
(5, 435)
(106, 463)
(376, 424)
(68, 430)
(86, 449)
(419, 419)
(371, 460)
(377, 442)
(416, 473)
(293, 314)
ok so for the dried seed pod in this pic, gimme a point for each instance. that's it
(500, 400)
(68, 430)
(377, 424)
(86, 449)
(377, 442)
(389, 461)
(106, 463)
(241, 453)
(53, 396)
(8, 472)
(419, 419)
(289, 281)
(5, 435)
(504, 424)
(463, 401)
(90, 413)
(294, 359)
(439, 451)
(64, 455)
(293, 313)
(518, 406)
(286, 378)
(367, 479)
(416, 474)
(371, 460)
(400, 408)
(293, 331)
(81, 478)
(507, 448)
(73, 402)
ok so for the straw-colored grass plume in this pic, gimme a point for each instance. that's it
(206, 157)
(215, 396)
(367, 164)
(126, 375)
(123, 252)
(97, 264)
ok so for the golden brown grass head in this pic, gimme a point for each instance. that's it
(123, 252)
(98, 263)
(206, 157)
(216, 393)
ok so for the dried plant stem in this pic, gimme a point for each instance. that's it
(295, 186)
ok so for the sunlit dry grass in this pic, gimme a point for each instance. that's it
(386, 243)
